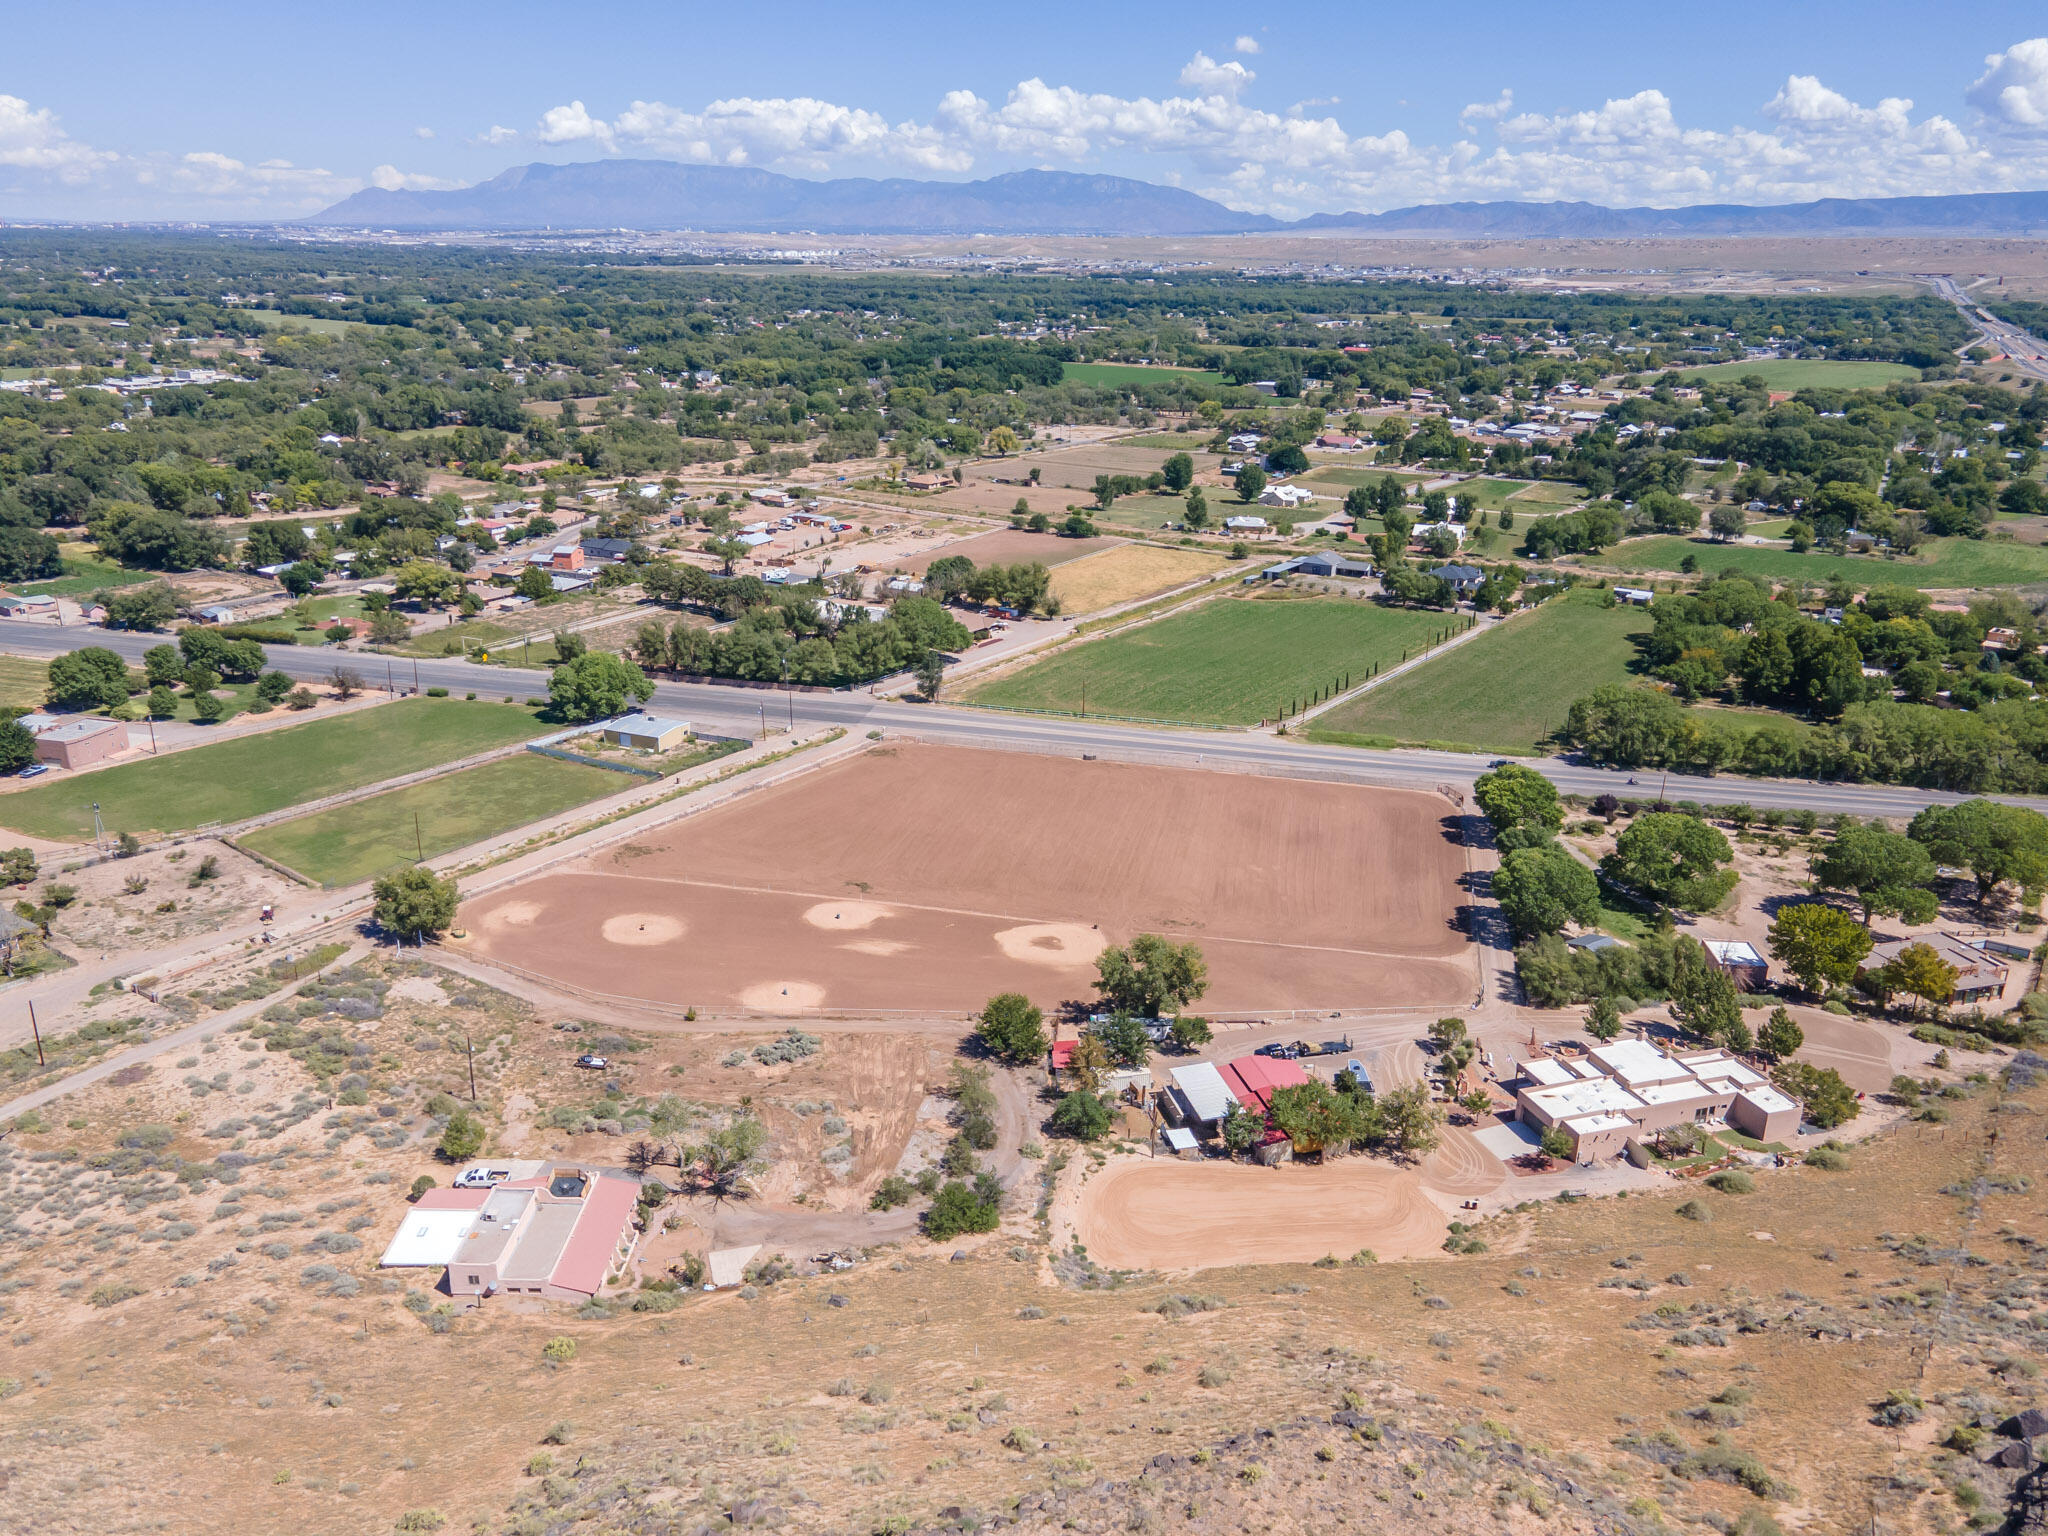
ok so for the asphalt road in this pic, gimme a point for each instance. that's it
(726, 709)
(2024, 351)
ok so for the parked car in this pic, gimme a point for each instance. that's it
(592, 1061)
(481, 1178)
(33, 770)
(1280, 1050)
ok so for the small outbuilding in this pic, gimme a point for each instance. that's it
(81, 743)
(646, 733)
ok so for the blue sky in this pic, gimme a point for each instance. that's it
(227, 111)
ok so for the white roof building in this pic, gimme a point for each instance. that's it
(1202, 1091)
(428, 1239)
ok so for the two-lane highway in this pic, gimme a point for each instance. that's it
(728, 709)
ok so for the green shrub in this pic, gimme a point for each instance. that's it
(1732, 1181)
(1827, 1158)
(1695, 1210)
(440, 693)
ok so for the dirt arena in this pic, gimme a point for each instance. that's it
(1147, 1213)
(1005, 547)
(928, 878)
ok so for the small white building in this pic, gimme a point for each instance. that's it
(1245, 524)
(646, 733)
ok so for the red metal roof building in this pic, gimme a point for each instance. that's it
(1253, 1079)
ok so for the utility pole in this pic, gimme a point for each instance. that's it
(764, 722)
(390, 683)
(470, 1042)
(419, 841)
(37, 1030)
(152, 735)
(99, 830)
(415, 677)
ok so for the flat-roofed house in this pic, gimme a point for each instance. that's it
(558, 1235)
(1979, 978)
(1628, 1089)
(80, 743)
(645, 732)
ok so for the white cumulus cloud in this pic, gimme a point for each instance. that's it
(497, 133)
(2013, 90)
(423, 133)
(31, 140)
(1204, 74)
(1245, 43)
(390, 178)
(573, 125)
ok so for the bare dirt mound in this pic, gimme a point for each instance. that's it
(641, 929)
(851, 915)
(1146, 1213)
(1073, 945)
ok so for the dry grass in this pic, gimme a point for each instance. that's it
(1126, 574)
(271, 1393)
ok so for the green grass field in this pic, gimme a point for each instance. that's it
(1942, 562)
(1549, 493)
(82, 578)
(318, 324)
(1503, 692)
(267, 771)
(352, 842)
(1489, 495)
(24, 682)
(1810, 373)
(1233, 661)
(1129, 375)
(1183, 442)
(1328, 475)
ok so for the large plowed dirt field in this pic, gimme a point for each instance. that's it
(916, 877)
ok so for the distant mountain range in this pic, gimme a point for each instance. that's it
(664, 195)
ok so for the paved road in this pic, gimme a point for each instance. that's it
(2025, 352)
(724, 708)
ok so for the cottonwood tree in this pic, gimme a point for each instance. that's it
(1673, 859)
(1012, 1029)
(1919, 971)
(1818, 944)
(1886, 871)
(413, 902)
(1315, 1118)
(1603, 1021)
(1995, 842)
(1542, 889)
(1151, 975)
(1081, 1114)
(1125, 1039)
(596, 686)
(1411, 1123)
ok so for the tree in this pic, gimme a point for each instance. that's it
(1514, 797)
(17, 866)
(534, 583)
(1089, 1063)
(726, 1160)
(163, 665)
(388, 628)
(1178, 472)
(346, 682)
(1919, 971)
(1827, 1100)
(1242, 1128)
(931, 674)
(1190, 1033)
(1152, 975)
(1011, 1029)
(414, 902)
(1251, 483)
(462, 1138)
(422, 581)
(1781, 1036)
(1413, 1125)
(1125, 1040)
(1703, 996)
(957, 1209)
(1887, 871)
(271, 687)
(1819, 944)
(207, 708)
(1603, 1022)
(596, 686)
(1197, 513)
(1315, 1117)
(1082, 1114)
(1557, 1143)
(1542, 889)
(1673, 859)
(28, 555)
(299, 579)
(1727, 521)
(1995, 842)
(17, 746)
(92, 677)
(150, 607)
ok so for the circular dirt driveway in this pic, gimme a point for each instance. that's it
(1159, 1213)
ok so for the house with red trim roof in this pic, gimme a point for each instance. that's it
(558, 1235)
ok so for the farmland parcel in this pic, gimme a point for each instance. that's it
(1234, 661)
(968, 873)
(269, 771)
(1940, 563)
(352, 842)
(1504, 691)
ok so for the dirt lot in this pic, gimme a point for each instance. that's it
(1126, 574)
(109, 916)
(1007, 548)
(1074, 468)
(967, 873)
(1164, 1213)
